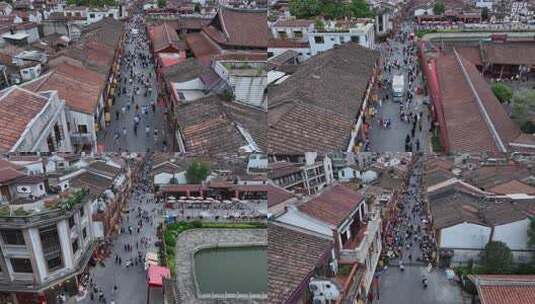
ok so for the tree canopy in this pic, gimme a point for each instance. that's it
(92, 3)
(502, 92)
(197, 172)
(439, 8)
(497, 258)
(531, 233)
(523, 109)
(162, 3)
(332, 9)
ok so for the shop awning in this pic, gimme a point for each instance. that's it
(156, 275)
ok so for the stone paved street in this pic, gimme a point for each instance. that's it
(393, 138)
(406, 287)
(132, 281)
(136, 45)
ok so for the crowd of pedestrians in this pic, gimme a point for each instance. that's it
(135, 108)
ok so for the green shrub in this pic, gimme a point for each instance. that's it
(502, 92)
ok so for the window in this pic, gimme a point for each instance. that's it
(82, 129)
(282, 34)
(54, 263)
(51, 247)
(21, 265)
(298, 34)
(40, 186)
(91, 16)
(318, 39)
(110, 15)
(75, 246)
(50, 240)
(71, 221)
(355, 39)
(82, 212)
(84, 233)
(13, 237)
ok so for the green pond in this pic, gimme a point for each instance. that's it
(232, 270)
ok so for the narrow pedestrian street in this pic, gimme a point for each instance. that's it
(125, 267)
(138, 121)
(393, 120)
(411, 247)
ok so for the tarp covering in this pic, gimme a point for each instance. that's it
(156, 275)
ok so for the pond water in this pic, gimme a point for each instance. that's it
(232, 270)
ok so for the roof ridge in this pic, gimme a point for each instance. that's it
(482, 109)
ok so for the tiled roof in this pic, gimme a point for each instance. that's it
(465, 204)
(207, 128)
(466, 125)
(281, 169)
(165, 38)
(103, 168)
(96, 184)
(239, 28)
(80, 88)
(292, 257)
(192, 23)
(201, 47)
(96, 49)
(508, 53)
(487, 177)
(333, 205)
(277, 195)
(8, 174)
(316, 107)
(506, 212)
(513, 186)
(17, 109)
(252, 119)
(298, 127)
(185, 71)
(505, 289)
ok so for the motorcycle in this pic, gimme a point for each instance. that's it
(425, 282)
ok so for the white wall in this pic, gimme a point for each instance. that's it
(296, 218)
(164, 178)
(331, 39)
(515, 234)
(465, 235)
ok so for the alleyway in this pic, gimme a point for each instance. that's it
(393, 137)
(411, 251)
(130, 281)
(138, 122)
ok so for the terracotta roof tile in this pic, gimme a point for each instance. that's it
(17, 109)
(80, 88)
(505, 289)
(292, 257)
(333, 205)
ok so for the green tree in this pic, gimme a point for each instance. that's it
(162, 3)
(485, 14)
(304, 8)
(531, 232)
(335, 10)
(318, 24)
(523, 106)
(360, 9)
(438, 8)
(502, 92)
(497, 258)
(197, 7)
(197, 172)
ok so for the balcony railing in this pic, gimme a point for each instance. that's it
(356, 249)
(81, 138)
